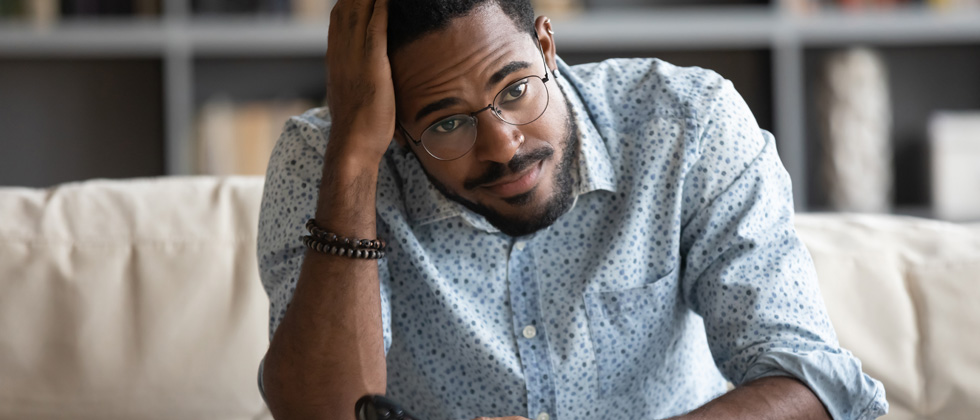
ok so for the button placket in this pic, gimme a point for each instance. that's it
(527, 317)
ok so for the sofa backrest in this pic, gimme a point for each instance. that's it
(140, 299)
(904, 296)
(131, 299)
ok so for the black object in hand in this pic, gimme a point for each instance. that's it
(376, 407)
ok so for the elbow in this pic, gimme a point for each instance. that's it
(300, 394)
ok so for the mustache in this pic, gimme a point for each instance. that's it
(517, 164)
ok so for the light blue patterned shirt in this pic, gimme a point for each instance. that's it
(677, 268)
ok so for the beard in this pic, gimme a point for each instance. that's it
(559, 202)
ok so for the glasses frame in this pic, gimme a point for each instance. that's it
(496, 112)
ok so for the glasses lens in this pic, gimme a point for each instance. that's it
(523, 101)
(451, 137)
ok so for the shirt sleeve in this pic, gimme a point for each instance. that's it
(746, 271)
(289, 199)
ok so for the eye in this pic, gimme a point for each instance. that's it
(448, 125)
(515, 91)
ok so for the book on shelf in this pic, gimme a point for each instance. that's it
(53, 10)
(12, 8)
(557, 7)
(300, 9)
(659, 4)
(227, 6)
(811, 6)
(237, 138)
(48, 11)
(37, 11)
(312, 10)
(70, 8)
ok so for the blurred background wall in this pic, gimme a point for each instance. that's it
(873, 101)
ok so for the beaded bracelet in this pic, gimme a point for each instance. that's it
(342, 251)
(333, 239)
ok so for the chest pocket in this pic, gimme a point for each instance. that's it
(632, 330)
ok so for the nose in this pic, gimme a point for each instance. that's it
(496, 141)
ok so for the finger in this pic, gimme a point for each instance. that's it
(339, 14)
(348, 19)
(338, 20)
(360, 15)
(377, 31)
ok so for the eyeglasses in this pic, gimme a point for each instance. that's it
(520, 103)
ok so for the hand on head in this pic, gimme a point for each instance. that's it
(359, 87)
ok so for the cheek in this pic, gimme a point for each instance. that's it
(554, 117)
(449, 173)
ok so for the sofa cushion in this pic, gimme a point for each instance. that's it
(131, 299)
(901, 293)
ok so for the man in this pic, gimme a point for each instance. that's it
(609, 241)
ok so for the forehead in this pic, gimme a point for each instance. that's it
(462, 56)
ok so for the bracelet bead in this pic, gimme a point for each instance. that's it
(333, 239)
(317, 245)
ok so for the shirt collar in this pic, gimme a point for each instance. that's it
(425, 204)
(594, 164)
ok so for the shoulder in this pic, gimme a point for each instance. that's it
(291, 180)
(307, 130)
(647, 86)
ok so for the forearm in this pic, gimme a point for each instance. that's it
(329, 348)
(775, 397)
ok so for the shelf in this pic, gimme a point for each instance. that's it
(113, 37)
(108, 37)
(251, 37)
(719, 27)
(903, 26)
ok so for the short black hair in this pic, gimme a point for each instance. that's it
(409, 20)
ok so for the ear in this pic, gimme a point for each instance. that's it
(400, 137)
(546, 36)
(399, 134)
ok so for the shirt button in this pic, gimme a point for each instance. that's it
(530, 331)
(543, 416)
(520, 245)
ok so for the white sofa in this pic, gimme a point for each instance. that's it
(140, 299)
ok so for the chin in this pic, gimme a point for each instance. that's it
(521, 202)
(528, 212)
(532, 217)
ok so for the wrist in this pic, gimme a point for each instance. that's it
(354, 150)
(352, 170)
(346, 203)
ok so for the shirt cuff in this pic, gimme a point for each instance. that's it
(834, 376)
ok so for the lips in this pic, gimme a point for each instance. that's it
(517, 184)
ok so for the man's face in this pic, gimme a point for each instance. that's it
(518, 177)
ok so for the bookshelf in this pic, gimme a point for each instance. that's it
(769, 52)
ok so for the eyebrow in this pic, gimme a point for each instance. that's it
(505, 71)
(494, 79)
(435, 106)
